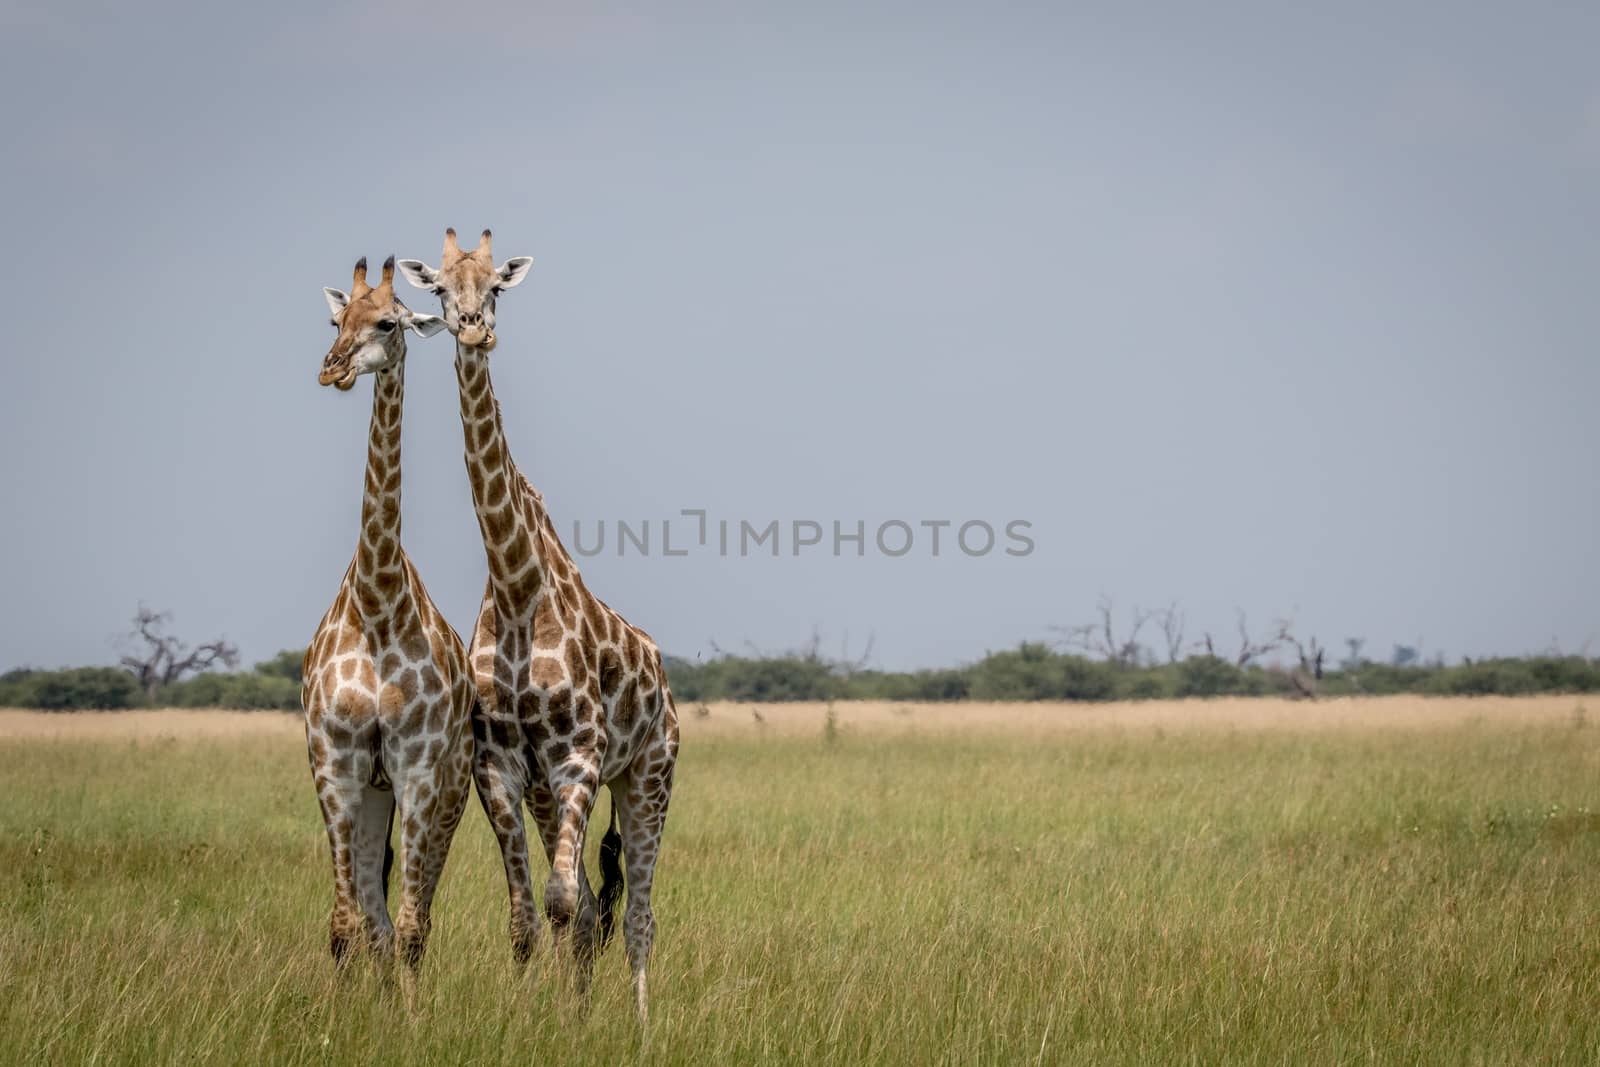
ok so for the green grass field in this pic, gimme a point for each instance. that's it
(1105, 895)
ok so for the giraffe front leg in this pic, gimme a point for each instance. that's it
(541, 805)
(501, 779)
(341, 809)
(431, 798)
(568, 901)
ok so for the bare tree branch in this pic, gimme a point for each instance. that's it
(1305, 677)
(1083, 638)
(1171, 621)
(845, 666)
(1250, 651)
(1100, 638)
(164, 658)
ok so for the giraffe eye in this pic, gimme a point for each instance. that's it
(385, 325)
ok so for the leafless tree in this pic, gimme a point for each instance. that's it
(161, 658)
(847, 665)
(1249, 650)
(1305, 677)
(1172, 619)
(1100, 638)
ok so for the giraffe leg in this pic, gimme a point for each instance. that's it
(568, 901)
(370, 848)
(541, 803)
(542, 807)
(340, 796)
(431, 800)
(345, 922)
(641, 797)
(502, 780)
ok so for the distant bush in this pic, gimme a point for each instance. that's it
(778, 678)
(242, 692)
(1564, 674)
(275, 683)
(88, 688)
(1035, 672)
(932, 686)
(1379, 679)
(12, 685)
(1153, 683)
(1209, 676)
(285, 664)
(1508, 677)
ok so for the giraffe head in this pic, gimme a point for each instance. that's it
(372, 326)
(467, 284)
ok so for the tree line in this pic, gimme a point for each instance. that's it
(1104, 660)
(270, 684)
(1036, 671)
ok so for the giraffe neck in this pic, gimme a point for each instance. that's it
(511, 515)
(379, 573)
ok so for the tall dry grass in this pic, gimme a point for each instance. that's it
(1401, 881)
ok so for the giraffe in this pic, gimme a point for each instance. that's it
(387, 693)
(570, 695)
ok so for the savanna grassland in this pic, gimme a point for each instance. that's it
(1403, 880)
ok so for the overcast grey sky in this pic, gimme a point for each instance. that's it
(1238, 305)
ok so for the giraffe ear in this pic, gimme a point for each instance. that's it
(424, 324)
(336, 300)
(512, 271)
(419, 274)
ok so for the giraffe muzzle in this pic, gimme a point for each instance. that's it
(474, 331)
(341, 376)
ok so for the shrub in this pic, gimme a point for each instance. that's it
(786, 678)
(1500, 676)
(13, 685)
(1151, 683)
(242, 692)
(777, 678)
(285, 664)
(1378, 679)
(1035, 672)
(87, 688)
(1564, 674)
(1209, 676)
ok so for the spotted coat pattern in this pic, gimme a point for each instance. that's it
(387, 696)
(570, 694)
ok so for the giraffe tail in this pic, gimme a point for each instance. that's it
(611, 882)
(388, 854)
